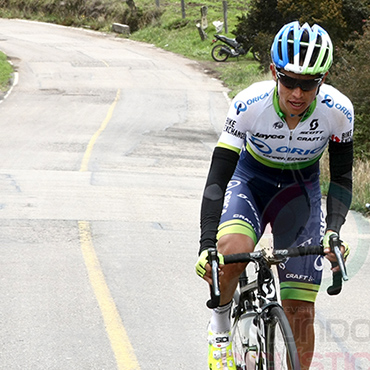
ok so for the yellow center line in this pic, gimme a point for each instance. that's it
(122, 348)
(86, 158)
(120, 343)
(106, 64)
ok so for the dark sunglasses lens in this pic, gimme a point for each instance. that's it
(292, 83)
(288, 82)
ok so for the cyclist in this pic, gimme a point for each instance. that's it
(265, 170)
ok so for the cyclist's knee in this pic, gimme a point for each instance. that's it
(235, 243)
(300, 310)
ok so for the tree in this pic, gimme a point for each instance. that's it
(355, 12)
(342, 19)
(260, 23)
(351, 75)
(327, 13)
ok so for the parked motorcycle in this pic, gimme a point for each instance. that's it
(233, 48)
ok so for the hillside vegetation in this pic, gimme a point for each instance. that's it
(5, 73)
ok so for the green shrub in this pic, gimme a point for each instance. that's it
(6, 71)
(351, 75)
(96, 14)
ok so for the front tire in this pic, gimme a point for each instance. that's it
(239, 347)
(281, 348)
(219, 54)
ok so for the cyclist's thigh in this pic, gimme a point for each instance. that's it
(240, 214)
(301, 222)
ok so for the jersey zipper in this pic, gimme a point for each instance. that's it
(286, 155)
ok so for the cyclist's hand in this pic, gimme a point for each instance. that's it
(203, 268)
(329, 254)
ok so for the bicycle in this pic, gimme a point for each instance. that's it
(261, 335)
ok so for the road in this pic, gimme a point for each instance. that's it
(104, 148)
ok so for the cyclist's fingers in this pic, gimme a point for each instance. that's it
(335, 269)
(208, 275)
(345, 249)
(207, 279)
(332, 257)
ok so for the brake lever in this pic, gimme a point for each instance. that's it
(215, 287)
(341, 275)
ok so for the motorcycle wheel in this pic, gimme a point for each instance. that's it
(218, 53)
(256, 56)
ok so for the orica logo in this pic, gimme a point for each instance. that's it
(329, 101)
(240, 107)
(265, 149)
(319, 266)
(260, 145)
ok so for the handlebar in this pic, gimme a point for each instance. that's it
(277, 256)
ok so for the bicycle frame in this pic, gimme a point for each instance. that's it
(259, 296)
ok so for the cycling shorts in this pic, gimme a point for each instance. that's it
(291, 203)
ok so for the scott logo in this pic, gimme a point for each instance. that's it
(314, 124)
(269, 290)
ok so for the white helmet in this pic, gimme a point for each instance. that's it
(302, 50)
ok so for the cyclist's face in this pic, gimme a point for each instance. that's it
(294, 101)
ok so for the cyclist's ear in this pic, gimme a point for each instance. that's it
(273, 71)
(324, 78)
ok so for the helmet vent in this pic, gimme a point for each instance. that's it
(315, 55)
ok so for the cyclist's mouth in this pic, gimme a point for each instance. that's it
(297, 106)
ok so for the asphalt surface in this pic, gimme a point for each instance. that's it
(104, 148)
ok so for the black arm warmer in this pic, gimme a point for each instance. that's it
(222, 168)
(340, 189)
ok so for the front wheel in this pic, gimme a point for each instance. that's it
(219, 53)
(280, 345)
(243, 337)
(240, 346)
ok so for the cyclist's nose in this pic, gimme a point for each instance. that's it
(298, 92)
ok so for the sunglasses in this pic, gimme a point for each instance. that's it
(292, 83)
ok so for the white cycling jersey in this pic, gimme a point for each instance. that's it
(255, 123)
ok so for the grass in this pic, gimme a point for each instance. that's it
(361, 187)
(174, 33)
(6, 71)
(181, 36)
(361, 183)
